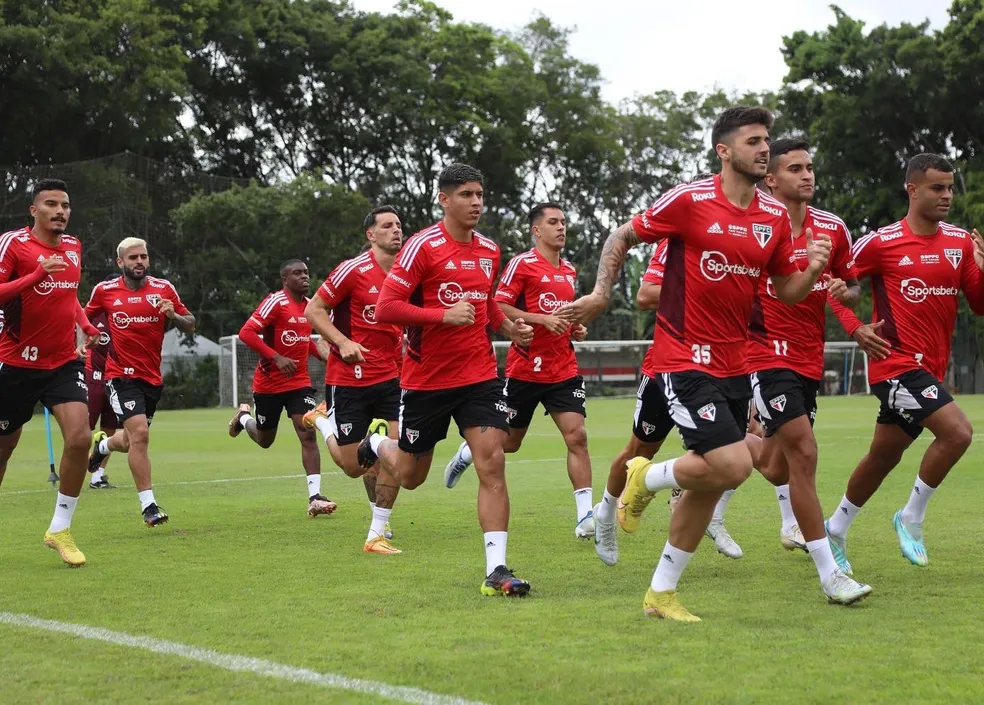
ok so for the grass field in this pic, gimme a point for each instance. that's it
(242, 570)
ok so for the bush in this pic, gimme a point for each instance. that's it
(191, 383)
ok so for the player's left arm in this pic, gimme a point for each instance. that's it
(791, 284)
(175, 309)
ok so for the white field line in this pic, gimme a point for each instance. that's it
(235, 662)
(295, 476)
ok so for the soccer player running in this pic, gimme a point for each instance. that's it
(534, 285)
(280, 333)
(40, 268)
(917, 268)
(441, 287)
(101, 413)
(138, 307)
(362, 380)
(785, 356)
(723, 234)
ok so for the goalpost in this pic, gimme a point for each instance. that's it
(609, 368)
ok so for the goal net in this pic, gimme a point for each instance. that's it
(609, 368)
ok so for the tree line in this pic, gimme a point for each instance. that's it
(252, 131)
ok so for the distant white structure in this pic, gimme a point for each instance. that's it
(174, 349)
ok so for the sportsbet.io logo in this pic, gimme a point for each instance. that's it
(290, 338)
(916, 291)
(549, 303)
(369, 314)
(47, 286)
(715, 267)
(122, 320)
(450, 293)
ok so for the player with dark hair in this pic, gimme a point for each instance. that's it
(138, 307)
(362, 380)
(723, 234)
(39, 277)
(280, 333)
(101, 414)
(441, 287)
(785, 360)
(533, 286)
(917, 266)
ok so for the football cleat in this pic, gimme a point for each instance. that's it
(318, 412)
(387, 532)
(379, 427)
(502, 581)
(367, 456)
(674, 500)
(102, 484)
(456, 467)
(838, 546)
(723, 541)
(235, 425)
(380, 544)
(793, 539)
(910, 540)
(319, 504)
(585, 529)
(843, 590)
(635, 497)
(154, 515)
(666, 605)
(96, 457)
(63, 542)
(605, 540)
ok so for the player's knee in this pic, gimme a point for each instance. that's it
(802, 455)
(77, 441)
(576, 439)
(511, 444)
(139, 436)
(411, 481)
(731, 472)
(960, 435)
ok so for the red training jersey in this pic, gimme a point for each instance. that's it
(136, 325)
(95, 359)
(792, 337)
(434, 271)
(532, 283)
(657, 265)
(716, 254)
(278, 327)
(39, 321)
(915, 281)
(351, 291)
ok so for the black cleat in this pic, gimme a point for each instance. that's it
(367, 456)
(95, 456)
(102, 484)
(502, 582)
(154, 515)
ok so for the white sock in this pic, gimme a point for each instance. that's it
(583, 501)
(465, 452)
(104, 446)
(326, 427)
(841, 520)
(785, 508)
(822, 557)
(314, 484)
(379, 518)
(64, 509)
(721, 506)
(495, 550)
(670, 568)
(606, 508)
(375, 441)
(97, 475)
(914, 511)
(146, 499)
(659, 476)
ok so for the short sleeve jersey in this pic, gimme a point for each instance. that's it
(715, 256)
(280, 322)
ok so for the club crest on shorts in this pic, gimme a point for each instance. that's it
(953, 256)
(931, 392)
(779, 403)
(648, 428)
(130, 405)
(261, 419)
(4, 425)
(486, 264)
(345, 428)
(708, 412)
(412, 435)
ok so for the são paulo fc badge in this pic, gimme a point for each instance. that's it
(130, 405)
(486, 265)
(4, 425)
(345, 428)
(931, 392)
(763, 233)
(154, 300)
(708, 412)
(953, 256)
(779, 403)
(412, 435)
(74, 257)
(648, 428)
